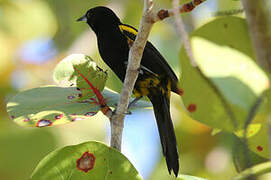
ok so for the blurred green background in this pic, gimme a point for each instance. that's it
(36, 34)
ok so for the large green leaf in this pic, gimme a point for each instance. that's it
(90, 160)
(201, 100)
(52, 105)
(49, 105)
(228, 82)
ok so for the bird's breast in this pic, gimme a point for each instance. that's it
(114, 51)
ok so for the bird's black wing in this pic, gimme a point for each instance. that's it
(152, 59)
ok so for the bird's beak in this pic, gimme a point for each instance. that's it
(83, 18)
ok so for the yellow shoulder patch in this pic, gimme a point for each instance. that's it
(127, 29)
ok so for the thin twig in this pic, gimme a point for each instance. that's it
(188, 7)
(183, 34)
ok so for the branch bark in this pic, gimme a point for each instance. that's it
(135, 55)
(183, 34)
(258, 14)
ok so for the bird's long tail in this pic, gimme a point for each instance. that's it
(161, 108)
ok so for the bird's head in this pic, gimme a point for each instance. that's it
(100, 18)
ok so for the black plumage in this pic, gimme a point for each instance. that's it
(156, 81)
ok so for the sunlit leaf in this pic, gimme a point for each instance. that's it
(235, 74)
(90, 160)
(233, 80)
(48, 106)
(76, 68)
(258, 142)
(64, 71)
(252, 130)
(82, 71)
(215, 131)
(52, 105)
(200, 99)
(90, 78)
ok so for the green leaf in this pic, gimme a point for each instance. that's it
(87, 75)
(65, 74)
(201, 100)
(258, 141)
(235, 74)
(52, 105)
(48, 106)
(188, 177)
(252, 130)
(215, 131)
(64, 69)
(254, 171)
(90, 160)
(79, 70)
(244, 155)
(233, 80)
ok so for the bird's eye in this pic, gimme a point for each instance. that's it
(89, 14)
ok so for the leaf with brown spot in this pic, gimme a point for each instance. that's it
(227, 81)
(90, 160)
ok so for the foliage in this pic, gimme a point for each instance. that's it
(52, 105)
(228, 92)
(89, 160)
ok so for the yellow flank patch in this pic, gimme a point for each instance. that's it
(149, 83)
(137, 93)
(143, 87)
(128, 29)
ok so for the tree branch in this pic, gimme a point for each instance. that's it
(258, 16)
(183, 34)
(135, 55)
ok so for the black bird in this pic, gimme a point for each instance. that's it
(156, 79)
